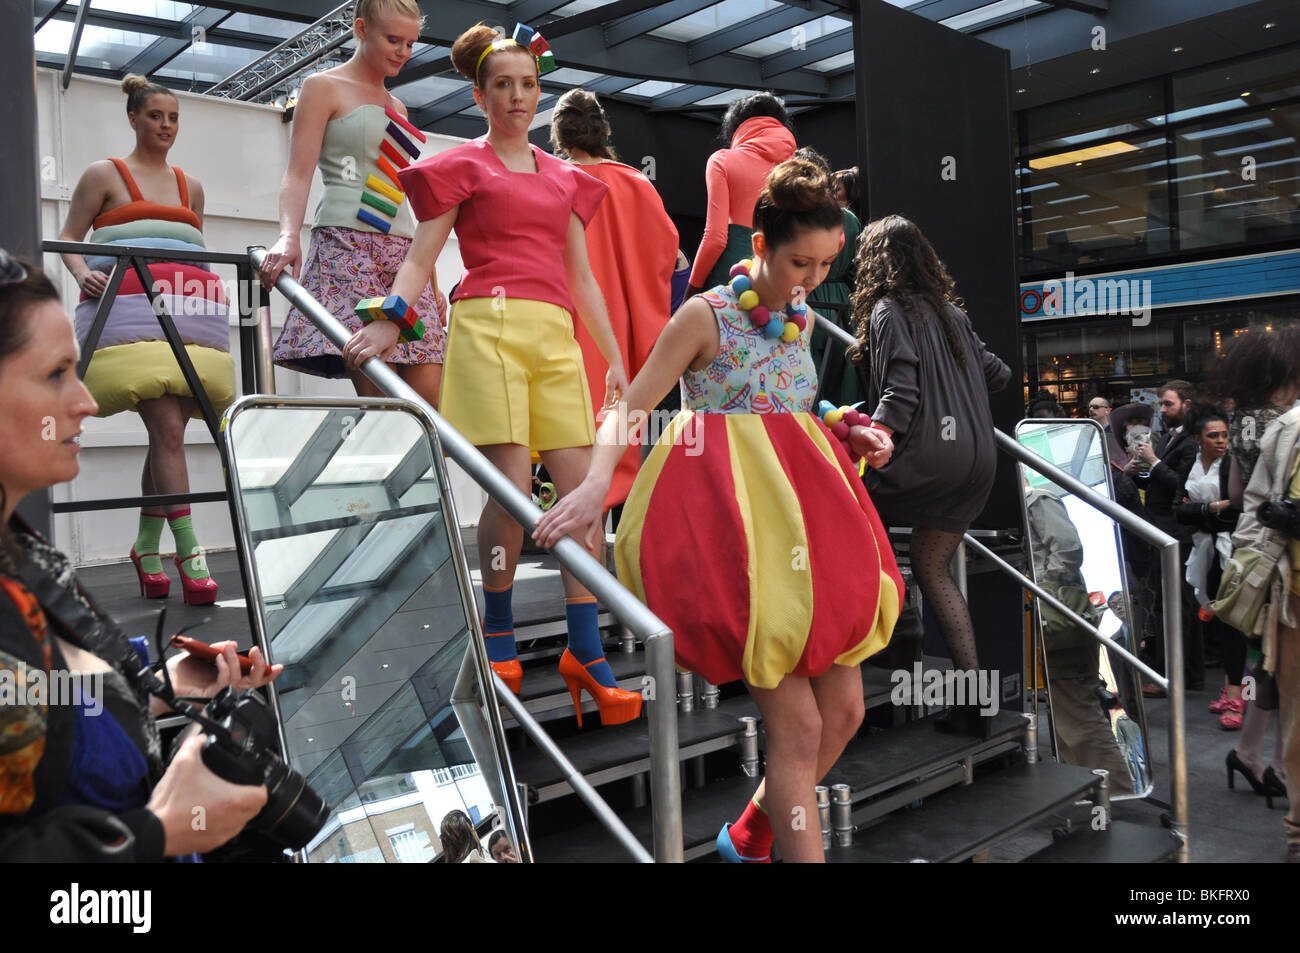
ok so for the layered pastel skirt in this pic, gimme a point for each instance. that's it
(752, 537)
(133, 361)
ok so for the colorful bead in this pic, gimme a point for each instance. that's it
(799, 321)
(738, 269)
(790, 332)
(841, 430)
(740, 284)
(748, 299)
(851, 417)
(832, 417)
(759, 316)
(774, 329)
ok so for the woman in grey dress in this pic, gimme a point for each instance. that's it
(929, 381)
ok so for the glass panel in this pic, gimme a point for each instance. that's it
(363, 600)
(1092, 183)
(782, 42)
(651, 88)
(831, 63)
(210, 62)
(991, 11)
(1078, 357)
(1239, 179)
(720, 16)
(264, 26)
(161, 9)
(100, 47)
(1077, 556)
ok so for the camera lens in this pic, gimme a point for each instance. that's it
(294, 813)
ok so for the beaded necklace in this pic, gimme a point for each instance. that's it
(787, 328)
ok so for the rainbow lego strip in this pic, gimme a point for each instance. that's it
(383, 188)
(386, 167)
(405, 123)
(398, 137)
(370, 218)
(399, 160)
(395, 309)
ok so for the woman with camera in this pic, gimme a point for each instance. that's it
(82, 775)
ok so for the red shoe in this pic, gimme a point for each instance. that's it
(197, 592)
(616, 705)
(1231, 718)
(511, 672)
(1220, 706)
(153, 585)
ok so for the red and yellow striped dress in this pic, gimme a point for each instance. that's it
(748, 530)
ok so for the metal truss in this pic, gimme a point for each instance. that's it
(295, 55)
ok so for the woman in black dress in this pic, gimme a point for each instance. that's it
(929, 381)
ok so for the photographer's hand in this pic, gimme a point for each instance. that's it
(198, 810)
(197, 678)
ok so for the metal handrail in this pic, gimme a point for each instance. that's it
(665, 782)
(1172, 591)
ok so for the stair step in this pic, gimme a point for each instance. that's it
(608, 754)
(1123, 842)
(958, 824)
(704, 811)
(878, 762)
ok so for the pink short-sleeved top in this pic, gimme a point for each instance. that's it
(512, 226)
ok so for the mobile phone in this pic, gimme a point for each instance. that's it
(206, 652)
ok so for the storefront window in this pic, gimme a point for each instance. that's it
(1092, 180)
(1239, 178)
(1206, 333)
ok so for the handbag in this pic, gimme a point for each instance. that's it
(1244, 588)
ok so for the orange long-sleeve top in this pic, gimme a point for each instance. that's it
(735, 179)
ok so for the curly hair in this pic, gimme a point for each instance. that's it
(751, 107)
(1256, 365)
(895, 260)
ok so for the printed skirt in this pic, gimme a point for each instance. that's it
(752, 538)
(343, 266)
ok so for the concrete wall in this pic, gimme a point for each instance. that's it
(239, 152)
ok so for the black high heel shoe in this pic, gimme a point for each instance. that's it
(1236, 764)
(965, 720)
(1273, 786)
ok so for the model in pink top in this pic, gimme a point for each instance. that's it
(758, 129)
(513, 379)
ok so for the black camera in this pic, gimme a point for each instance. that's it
(240, 748)
(1281, 515)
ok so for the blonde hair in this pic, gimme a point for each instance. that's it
(371, 10)
(138, 90)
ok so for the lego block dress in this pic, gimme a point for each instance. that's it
(748, 531)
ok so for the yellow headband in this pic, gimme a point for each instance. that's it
(500, 43)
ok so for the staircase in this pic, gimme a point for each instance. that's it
(903, 792)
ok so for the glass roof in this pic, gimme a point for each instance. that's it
(208, 62)
(100, 47)
(783, 42)
(720, 16)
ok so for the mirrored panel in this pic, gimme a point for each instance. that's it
(353, 563)
(1077, 555)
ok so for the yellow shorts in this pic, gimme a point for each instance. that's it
(121, 376)
(513, 374)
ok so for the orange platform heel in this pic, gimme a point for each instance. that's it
(616, 705)
(153, 585)
(197, 592)
(511, 672)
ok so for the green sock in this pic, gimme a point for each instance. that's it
(187, 544)
(147, 540)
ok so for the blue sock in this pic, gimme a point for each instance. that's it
(584, 638)
(499, 624)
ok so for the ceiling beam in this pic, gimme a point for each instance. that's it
(737, 35)
(596, 17)
(1083, 6)
(43, 10)
(684, 97)
(819, 49)
(659, 15)
(164, 49)
(526, 11)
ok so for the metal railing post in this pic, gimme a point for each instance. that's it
(1172, 584)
